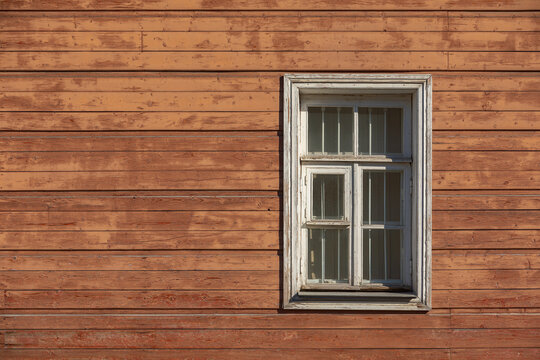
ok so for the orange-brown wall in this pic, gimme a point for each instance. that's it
(140, 176)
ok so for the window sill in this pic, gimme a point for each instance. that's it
(347, 300)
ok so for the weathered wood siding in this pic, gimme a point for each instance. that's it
(140, 176)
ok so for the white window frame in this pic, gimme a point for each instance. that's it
(340, 90)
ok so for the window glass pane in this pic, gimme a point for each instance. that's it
(314, 130)
(373, 197)
(393, 131)
(328, 255)
(393, 197)
(377, 131)
(365, 254)
(327, 196)
(363, 131)
(315, 254)
(346, 130)
(335, 247)
(393, 245)
(330, 116)
(377, 254)
(380, 131)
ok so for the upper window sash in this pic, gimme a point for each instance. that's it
(355, 102)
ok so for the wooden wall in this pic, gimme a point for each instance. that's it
(140, 176)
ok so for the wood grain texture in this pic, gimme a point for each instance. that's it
(162, 101)
(156, 220)
(457, 320)
(139, 121)
(139, 240)
(52, 41)
(139, 161)
(135, 299)
(140, 180)
(369, 338)
(147, 141)
(484, 140)
(193, 260)
(508, 5)
(338, 41)
(486, 202)
(148, 280)
(486, 239)
(248, 61)
(304, 21)
(139, 201)
(240, 354)
(485, 259)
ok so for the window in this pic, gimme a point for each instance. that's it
(357, 192)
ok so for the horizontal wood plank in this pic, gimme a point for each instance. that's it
(155, 220)
(140, 161)
(485, 259)
(105, 121)
(486, 299)
(140, 180)
(141, 261)
(148, 82)
(498, 5)
(486, 140)
(139, 240)
(238, 21)
(147, 141)
(168, 299)
(140, 101)
(493, 21)
(496, 354)
(241, 354)
(267, 321)
(141, 280)
(325, 41)
(139, 201)
(350, 338)
(518, 61)
(485, 120)
(483, 160)
(486, 101)
(486, 279)
(270, 21)
(55, 41)
(486, 202)
(488, 180)
(488, 220)
(248, 61)
(232, 321)
(486, 239)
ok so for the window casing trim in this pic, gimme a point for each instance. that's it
(419, 87)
